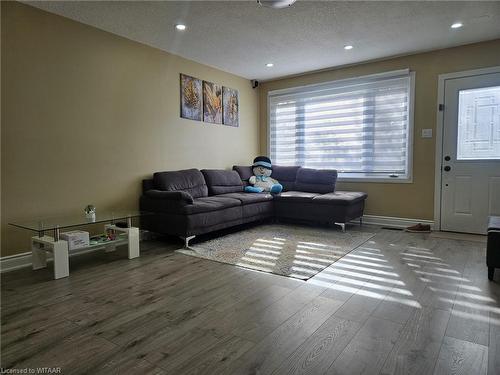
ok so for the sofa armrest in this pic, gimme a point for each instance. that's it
(170, 195)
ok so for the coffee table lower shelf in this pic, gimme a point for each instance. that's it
(41, 245)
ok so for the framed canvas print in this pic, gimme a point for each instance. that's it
(212, 103)
(230, 108)
(191, 98)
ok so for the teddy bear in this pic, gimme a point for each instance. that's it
(261, 181)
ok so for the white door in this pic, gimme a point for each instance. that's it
(470, 183)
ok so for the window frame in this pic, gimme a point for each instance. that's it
(360, 177)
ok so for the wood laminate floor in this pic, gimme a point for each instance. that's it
(399, 304)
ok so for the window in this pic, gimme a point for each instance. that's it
(361, 127)
(479, 124)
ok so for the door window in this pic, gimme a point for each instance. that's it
(479, 124)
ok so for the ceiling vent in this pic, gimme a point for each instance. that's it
(276, 4)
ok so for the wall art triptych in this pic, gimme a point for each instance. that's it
(208, 102)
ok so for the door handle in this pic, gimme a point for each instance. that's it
(447, 168)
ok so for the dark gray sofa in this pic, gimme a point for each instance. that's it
(191, 202)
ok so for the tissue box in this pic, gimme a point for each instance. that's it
(76, 239)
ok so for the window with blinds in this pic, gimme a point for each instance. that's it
(361, 127)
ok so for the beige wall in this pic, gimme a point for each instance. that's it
(87, 114)
(414, 200)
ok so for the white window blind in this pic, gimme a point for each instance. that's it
(361, 127)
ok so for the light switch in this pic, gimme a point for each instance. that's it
(426, 133)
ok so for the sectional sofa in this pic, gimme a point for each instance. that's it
(191, 202)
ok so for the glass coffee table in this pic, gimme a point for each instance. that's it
(42, 243)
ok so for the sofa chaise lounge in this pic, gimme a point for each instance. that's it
(191, 202)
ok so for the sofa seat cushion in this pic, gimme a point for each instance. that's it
(295, 196)
(249, 198)
(199, 223)
(340, 198)
(208, 204)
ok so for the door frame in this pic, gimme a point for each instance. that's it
(439, 133)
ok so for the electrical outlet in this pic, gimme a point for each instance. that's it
(426, 133)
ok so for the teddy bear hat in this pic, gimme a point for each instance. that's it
(262, 161)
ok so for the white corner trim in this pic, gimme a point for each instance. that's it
(14, 262)
(393, 222)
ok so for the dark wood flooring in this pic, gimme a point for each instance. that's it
(399, 304)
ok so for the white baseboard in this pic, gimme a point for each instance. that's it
(22, 260)
(14, 262)
(393, 222)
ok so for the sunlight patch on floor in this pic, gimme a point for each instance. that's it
(316, 254)
(345, 273)
(315, 244)
(254, 248)
(413, 265)
(434, 274)
(421, 256)
(445, 270)
(368, 258)
(420, 249)
(258, 255)
(258, 243)
(309, 264)
(427, 262)
(365, 269)
(404, 301)
(305, 257)
(462, 294)
(364, 263)
(323, 249)
(475, 306)
(270, 241)
(258, 261)
(371, 249)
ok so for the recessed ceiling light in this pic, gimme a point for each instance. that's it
(276, 4)
(348, 47)
(269, 65)
(180, 27)
(457, 25)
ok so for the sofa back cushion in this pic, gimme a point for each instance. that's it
(148, 184)
(220, 181)
(245, 172)
(286, 176)
(316, 180)
(189, 180)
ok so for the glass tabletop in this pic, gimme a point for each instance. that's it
(50, 223)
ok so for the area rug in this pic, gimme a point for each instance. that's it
(288, 250)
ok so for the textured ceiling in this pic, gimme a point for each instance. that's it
(241, 37)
